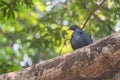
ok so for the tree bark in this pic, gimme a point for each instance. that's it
(98, 61)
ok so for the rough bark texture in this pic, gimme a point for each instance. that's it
(98, 61)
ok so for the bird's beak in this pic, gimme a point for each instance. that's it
(71, 31)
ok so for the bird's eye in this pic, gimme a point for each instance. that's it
(80, 32)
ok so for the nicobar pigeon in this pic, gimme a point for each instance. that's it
(79, 38)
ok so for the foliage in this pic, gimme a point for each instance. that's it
(38, 28)
(8, 7)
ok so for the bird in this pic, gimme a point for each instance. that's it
(79, 38)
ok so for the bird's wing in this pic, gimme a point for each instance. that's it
(86, 38)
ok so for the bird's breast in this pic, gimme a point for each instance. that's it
(77, 41)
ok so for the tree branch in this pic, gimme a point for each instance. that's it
(98, 61)
(107, 24)
(92, 14)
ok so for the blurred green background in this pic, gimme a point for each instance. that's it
(33, 31)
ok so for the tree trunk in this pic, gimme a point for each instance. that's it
(98, 61)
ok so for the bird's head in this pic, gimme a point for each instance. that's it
(74, 27)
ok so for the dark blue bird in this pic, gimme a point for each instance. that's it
(79, 38)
